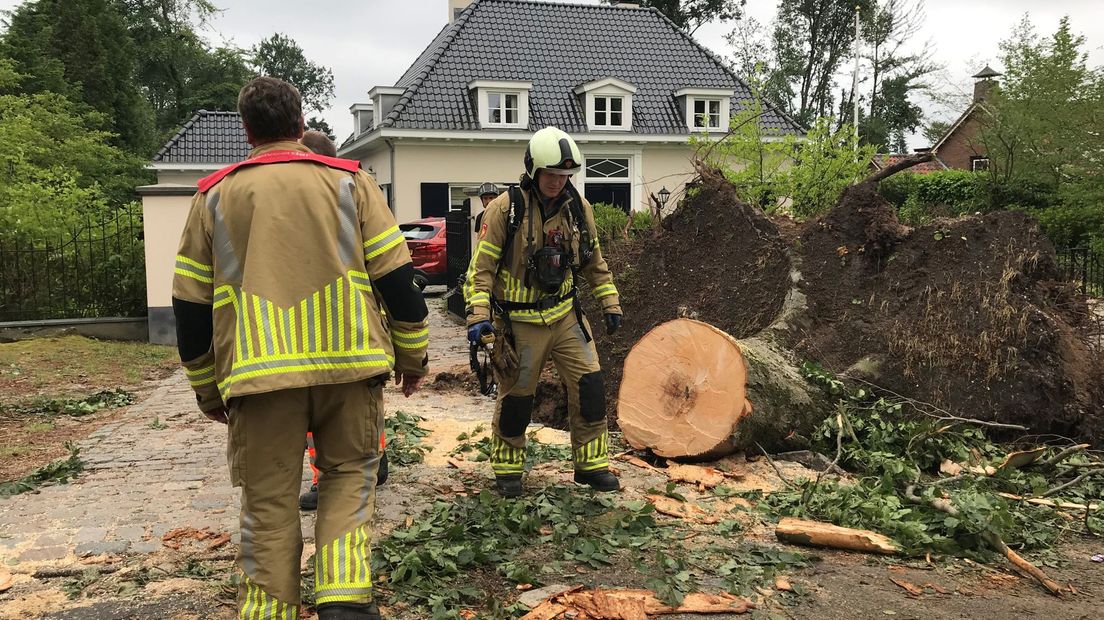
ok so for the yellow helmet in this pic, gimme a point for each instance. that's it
(553, 150)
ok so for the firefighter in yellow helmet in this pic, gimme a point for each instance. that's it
(280, 333)
(535, 242)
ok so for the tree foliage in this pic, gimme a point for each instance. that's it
(689, 15)
(81, 49)
(805, 174)
(280, 56)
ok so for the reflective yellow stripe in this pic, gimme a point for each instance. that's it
(593, 455)
(605, 291)
(342, 570)
(382, 242)
(489, 249)
(180, 258)
(340, 315)
(194, 276)
(318, 344)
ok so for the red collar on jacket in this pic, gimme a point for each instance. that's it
(278, 157)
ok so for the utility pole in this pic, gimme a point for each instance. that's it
(855, 83)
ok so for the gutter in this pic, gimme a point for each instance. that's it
(394, 186)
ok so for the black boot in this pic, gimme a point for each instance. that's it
(509, 485)
(309, 500)
(599, 480)
(381, 473)
(348, 611)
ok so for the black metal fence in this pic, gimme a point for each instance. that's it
(96, 270)
(1084, 267)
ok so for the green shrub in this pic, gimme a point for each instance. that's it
(610, 221)
(641, 222)
(1072, 225)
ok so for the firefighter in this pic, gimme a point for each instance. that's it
(487, 192)
(535, 241)
(321, 144)
(280, 333)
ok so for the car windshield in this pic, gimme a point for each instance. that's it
(418, 231)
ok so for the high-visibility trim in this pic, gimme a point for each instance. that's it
(479, 299)
(410, 340)
(342, 569)
(188, 273)
(490, 249)
(605, 291)
(193, 269)
(382, 242)
(258, 605)
(506, 459)
(340, 311)
(305, 362)
(223, 295)
(592, 455)
(201, 376)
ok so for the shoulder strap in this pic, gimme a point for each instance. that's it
(585, 252)
(513, 219)
(278, 157)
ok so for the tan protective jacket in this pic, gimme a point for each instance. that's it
(287, 254)
(491, 274)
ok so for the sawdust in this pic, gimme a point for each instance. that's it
(33, 605)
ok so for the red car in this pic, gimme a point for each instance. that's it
(425, 239)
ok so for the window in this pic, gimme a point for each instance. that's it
(707, 113)
(502, 104)
(609, 111)
(418, 232)
(705, 109)
(979, 164)
(502, 108)
(608, 168)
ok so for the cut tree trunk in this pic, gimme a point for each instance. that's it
(691, 391)
(683, 390)
(818, 534)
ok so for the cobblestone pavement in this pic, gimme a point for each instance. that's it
(162, 466)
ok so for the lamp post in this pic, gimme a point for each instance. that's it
(664, 195)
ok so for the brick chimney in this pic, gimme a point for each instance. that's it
(984, 83)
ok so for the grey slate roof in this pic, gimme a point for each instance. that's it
(558, 47)
(210, 137)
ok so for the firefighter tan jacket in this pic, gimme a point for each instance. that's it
(296, 310)
(503, 277)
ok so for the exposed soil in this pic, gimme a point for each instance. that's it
(967, 314)
(715, 259)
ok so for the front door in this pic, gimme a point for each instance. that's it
(619, 194)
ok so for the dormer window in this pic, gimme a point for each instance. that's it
(707, 113)
(502, 104)
(502, 108)
(607, 104)
(706, 109)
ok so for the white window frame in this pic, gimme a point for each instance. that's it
(483, 89)
(608, 89)
(974, 161)
(611, 151)
(691, 96)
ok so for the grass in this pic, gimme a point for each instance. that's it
(76, 366)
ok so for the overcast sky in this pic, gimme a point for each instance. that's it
(370, 43)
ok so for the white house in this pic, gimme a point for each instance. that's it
(624, 81)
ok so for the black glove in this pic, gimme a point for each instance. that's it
(613, 323)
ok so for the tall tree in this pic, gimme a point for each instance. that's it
(280, 56)
(1048, 111)
(81, 49)
(179, 72)
(811, 40)
(897, 68)
(689, 15)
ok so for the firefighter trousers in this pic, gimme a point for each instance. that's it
(576, 361)
(267, 434)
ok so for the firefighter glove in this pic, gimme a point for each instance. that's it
(613, 323)
(477, 330)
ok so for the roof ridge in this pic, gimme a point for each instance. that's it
(179, 134)
(431, 63)
(724, 66)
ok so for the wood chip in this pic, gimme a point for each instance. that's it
(938, 588)
(782, 583)
(912, 588)
(603, 604)
(707, 477)
(682, 510)
(1016, 460)
(950, 468)
(639, 462)
(5, 580)
(218, 541)
(1039, 501)
(546, 611)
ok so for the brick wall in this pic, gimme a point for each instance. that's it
(962, 145)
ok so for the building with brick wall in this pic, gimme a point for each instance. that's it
(961, 148)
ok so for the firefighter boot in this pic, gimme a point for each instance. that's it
(599, 480)
(348, 611)
(509, 485)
